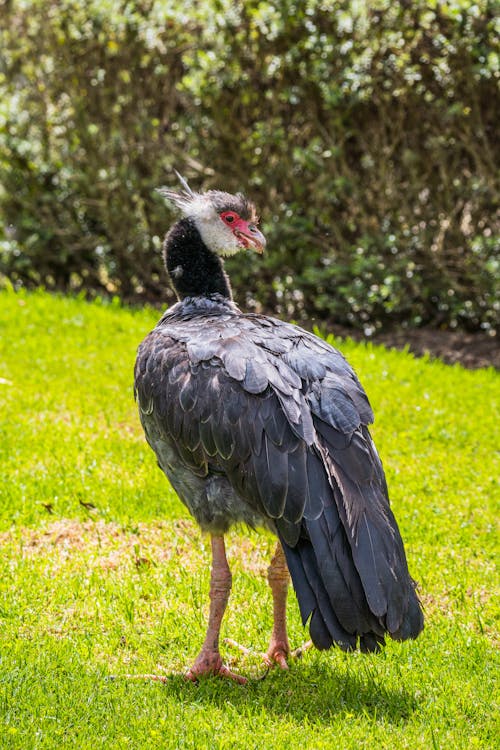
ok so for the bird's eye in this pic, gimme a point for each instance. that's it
(229, 217)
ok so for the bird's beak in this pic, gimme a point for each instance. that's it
(250, 236)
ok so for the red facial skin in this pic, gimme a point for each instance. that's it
(247, 234)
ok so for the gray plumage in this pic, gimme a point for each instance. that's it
(255, 420)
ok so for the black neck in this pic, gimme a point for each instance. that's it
(193, 269)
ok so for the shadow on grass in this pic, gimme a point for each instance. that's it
(316, 692)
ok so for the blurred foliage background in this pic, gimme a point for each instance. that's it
(366, 132)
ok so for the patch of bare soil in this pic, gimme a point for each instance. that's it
(111, 546)
(471, 350)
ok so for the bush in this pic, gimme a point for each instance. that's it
(364, 131)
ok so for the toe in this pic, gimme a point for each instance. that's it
(280, 660)
(226, 672)
(209, 663)
(223, 671)
(277, 654)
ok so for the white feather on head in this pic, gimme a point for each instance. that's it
(202, 209)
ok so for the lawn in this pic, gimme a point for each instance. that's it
(103, 574)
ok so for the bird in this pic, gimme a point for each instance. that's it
(258, 422)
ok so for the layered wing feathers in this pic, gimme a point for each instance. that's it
(284, 417)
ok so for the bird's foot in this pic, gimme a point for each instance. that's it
(278, 653)
(210, 663)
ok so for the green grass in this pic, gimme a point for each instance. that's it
(122, 587)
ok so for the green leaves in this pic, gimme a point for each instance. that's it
(348, 123)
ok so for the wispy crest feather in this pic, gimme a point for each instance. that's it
(203, 204)
(182, 199)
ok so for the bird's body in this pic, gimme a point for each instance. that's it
(255, 420)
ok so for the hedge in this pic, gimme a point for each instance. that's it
(364, 131)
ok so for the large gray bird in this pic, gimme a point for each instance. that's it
(255, 420)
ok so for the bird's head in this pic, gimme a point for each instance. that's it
(226, 223)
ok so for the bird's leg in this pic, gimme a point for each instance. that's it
(209, 660)
(279, 647)
(279, 579)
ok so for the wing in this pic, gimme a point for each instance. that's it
(284, 417)
(228, 407)
(365, 576)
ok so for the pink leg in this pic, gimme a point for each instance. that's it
(279, 647)
(209, 660)
(279, 578)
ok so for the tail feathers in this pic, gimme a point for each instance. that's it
(334, 559)
(314, 601)
(413, 622)
(348, 594)
(371, 643)
(383, 573)
(377, 552)
(379, 557)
